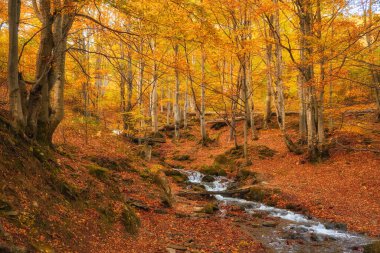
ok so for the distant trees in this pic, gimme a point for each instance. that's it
(238, 58)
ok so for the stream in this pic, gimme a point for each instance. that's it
(292, 232)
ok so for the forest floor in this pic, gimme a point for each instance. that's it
(84, 213)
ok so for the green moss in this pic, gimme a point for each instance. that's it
(69, 191)
(256, 194)
(176, 175)
(181, 157)
(107, 215)
(130, 220)
(210, 208)
(264, 152)
(166, 196)
(213, 170)
(244, 174)
(221, 159)
(97, 171)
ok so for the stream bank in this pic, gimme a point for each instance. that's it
(281, 230)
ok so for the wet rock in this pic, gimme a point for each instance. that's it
(208, 178)
(336, 225)
(297, 236)
(316, 237)
(197, 187)
(372, 248)
(256, 194)
(255, 225)
(270, 224)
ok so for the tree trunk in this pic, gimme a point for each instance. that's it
(177, 114)
(168, 104)
(140, 88)
(185, 105)
(203, 90)
(154, 110)
(307, 69)
(13, 76)
(279, 87)
(268, 98)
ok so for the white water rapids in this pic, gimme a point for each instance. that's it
(298, 223)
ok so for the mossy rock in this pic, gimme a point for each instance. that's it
(222, 159)
(235, 152)
(264, 152)
(105, 162)
(107, 214)
(198, 187)
(171, 173)
(188, 136)
(245, 174)
(176, 175)
(181, 157)
(4, 205)
(130, 220)
(210, 208)
(69, 191)
(145, 174)
(213, 170)
(166, 195)
(97, 171)
(257, 194)
(208, 178)
(179, 179)
(156, 135)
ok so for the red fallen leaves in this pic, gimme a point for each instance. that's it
(344, 188)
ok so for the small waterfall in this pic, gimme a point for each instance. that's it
(298, 223)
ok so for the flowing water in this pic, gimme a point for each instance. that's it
(307, 234)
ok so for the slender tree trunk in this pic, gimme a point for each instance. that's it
(129, 90)
(251, 102)
(168, 104)
(177, 116)
(279, 87)
(320, 103)
(203, 90)
(233, 108)
(140, 96)
(268, 98)
(98, 77)
(154, 110)
(302, 109)
(13, 80)
(375, 72)
(123, 82)
(243, 76)
(185, 105)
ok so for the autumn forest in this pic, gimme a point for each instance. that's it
(189, 126)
